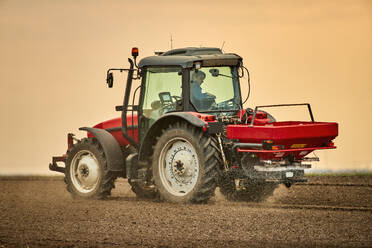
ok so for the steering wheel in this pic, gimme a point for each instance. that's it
(177, 98)
(167, 104)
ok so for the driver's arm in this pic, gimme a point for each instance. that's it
(209, 95)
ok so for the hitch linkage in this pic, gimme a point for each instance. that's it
(54, 166)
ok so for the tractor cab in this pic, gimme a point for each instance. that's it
(189, 80)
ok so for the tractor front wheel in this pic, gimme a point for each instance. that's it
(86, 173)
(184, 165)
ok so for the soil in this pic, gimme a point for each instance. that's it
(41, 213)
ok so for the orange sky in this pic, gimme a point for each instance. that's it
(54, 56)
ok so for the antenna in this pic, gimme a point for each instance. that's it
(223, 43)
(171, 40)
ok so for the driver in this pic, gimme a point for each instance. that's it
(196, 81)
(197, 97)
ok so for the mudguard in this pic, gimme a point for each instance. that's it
(163, 122)
(192, 119)
(113, 153)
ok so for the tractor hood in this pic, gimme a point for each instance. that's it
(113, 126)
(116, 123)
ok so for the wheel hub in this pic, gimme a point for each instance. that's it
(85, 171)
(179, 166)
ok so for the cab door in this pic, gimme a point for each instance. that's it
(161, 93)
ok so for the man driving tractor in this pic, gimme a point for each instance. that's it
(197, 97)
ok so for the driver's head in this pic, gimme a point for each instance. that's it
(198, 77)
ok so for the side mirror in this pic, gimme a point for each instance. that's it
(214, 72)
(110, 80)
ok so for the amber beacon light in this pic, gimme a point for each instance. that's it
(134, 52)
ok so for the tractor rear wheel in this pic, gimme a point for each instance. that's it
(86, 173)
(184, 165)
(246, 190)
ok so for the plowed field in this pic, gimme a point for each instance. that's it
(41, 213)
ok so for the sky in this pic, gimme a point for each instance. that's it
(54, 56)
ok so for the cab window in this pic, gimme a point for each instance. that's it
(163, 92)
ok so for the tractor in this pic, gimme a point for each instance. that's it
(183, 132)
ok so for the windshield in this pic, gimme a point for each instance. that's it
(215, 89)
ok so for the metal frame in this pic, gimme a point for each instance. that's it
(128, 87)
(187, 105)
(54, 166)
(286, 150)
(282, 105)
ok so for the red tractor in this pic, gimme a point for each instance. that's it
(186, 132)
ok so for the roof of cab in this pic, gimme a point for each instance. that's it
(185, 57)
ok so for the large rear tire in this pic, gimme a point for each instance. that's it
(184, 165)
(87, 175)
(246, 190)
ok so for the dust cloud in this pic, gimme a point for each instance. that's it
(54, 56)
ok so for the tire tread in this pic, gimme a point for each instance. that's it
(107, 182)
